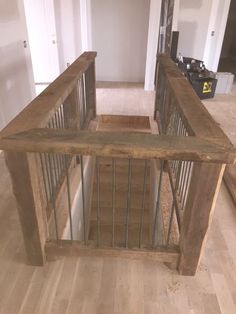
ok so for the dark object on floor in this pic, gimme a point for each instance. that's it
(203, 81)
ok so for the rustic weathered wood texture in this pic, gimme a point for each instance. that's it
(206, 145)
(90, 82)
(65, 248)
(175, 94)
(25, 168)
(27, 189)
(203, 192)
(118, 144)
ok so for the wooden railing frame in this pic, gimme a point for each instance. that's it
(24, 166)
(207, 146)
(173, 90)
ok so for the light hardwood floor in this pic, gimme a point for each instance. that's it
(104, 285)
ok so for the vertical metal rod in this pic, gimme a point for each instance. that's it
(128, 202)
(83, 197)
(170, 223)
(187, 184)
(58, 127)
(54, 172)
(50, 182)
(98, 202)
(143, 204)
(183, 182)
(157, 203)
(56, 156)
(113, 199)
(62, 126)
(69, 201)
(173, 208)
(44, 177)
(54, 202)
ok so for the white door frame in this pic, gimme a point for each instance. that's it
(218, 27)
(154, 23)
(86, 25)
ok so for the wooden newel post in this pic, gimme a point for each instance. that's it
(27, 187)
(90, 82)
(203, 191)
(72, 110)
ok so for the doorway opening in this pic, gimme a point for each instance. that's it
(228, 54)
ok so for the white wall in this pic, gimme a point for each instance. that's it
(193, 27)
(218, 20)
(119, 34)
(202, 26)
(16, 76)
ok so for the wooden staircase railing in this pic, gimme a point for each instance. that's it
(49, 142)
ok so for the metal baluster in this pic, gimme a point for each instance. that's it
(157, 203)
(113, 199)
(128, 203)
(69, 201)
(98, 203)
(56, 156)
(44, 177)
(173, 207)
(187, 184)
(53, 202)
(83, 196)
(143, 203)
(58, 126)
(62, 126)
(54, 172)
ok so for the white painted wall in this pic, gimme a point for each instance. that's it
(16, 76)
(119, 34)
(193, 27)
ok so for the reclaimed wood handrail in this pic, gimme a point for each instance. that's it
(118, 144)
(197, 119)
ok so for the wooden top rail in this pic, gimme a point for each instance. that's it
(39, 111)
(195, 116)
(123, 145)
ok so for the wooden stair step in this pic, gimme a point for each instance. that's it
(120, 215)
(120, 201)
(120, 233)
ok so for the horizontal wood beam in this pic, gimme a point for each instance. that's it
(118, 144)
(68, 248)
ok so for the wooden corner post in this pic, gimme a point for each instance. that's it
(28, 191)
(203, 191)
(90, 82)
